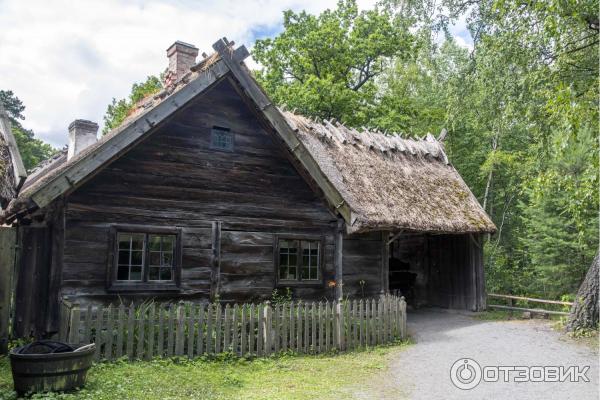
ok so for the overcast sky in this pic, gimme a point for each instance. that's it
(67, 59)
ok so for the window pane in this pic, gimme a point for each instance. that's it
(167, 259)
(124, 241)
(154, 242)
(155, 258)
(123, 272)
(166, 274)
(123, 257)
(168, 243)
(292, 273)
(137, 258)
(137, 241)
(283, 272)
(305, 273)
(135, 273)
(293, 260)
(153, 273)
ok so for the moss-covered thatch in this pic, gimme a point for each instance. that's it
(391, 183)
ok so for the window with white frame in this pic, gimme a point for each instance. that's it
(298, 260)
(145, 257)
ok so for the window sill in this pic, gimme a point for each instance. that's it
(283, 284)
(143, 287)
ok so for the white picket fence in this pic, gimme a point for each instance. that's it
(192, 330)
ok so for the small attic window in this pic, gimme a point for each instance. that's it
(221, 139)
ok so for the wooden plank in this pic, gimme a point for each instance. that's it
(19, 171)
(140, 332)
(74, 325)
(321, 326)
(339, 260)
(355, 325)
(98, 325)
(218, 328)
(130, 331)
(171, 330)
(201, 325)
(243, 330)
(252, 347)
(151, 331)
(7, 259)
(385, 262)
(160, 339)
(87, 325)
(191, 319)
(108, 347)
(361, 325)
(227, 329)
(285, 319)
(260, 338)
(268, 329)
(373, 327)
(292, 326)
(529, 299)
(276, 331)
(180, 329)
(313, 332)
(306, 338)
(210, 341)
(215, 277)
(235, 330)
(327, 327)
(120, 333)
(299, 315)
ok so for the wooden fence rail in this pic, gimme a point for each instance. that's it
(187, 329)
(510, 298)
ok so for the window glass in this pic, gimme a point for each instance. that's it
(299, 260)
(221, 139)
(145, 257)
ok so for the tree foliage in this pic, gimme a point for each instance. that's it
(118, 110)
(33, 150)
(521, 109)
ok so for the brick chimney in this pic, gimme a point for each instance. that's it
(82, 133)
(182, 56)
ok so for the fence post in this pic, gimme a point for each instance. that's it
(266, 320)
(339, 325)
(74, 325)
(180, 329)
(402, 318)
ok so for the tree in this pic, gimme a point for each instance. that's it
(326, 66)
(584, 313)
(33, 150)
(118, 110)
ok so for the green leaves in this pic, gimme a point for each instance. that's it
(117, 111)
(325, 66)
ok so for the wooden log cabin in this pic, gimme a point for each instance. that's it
(210, 192)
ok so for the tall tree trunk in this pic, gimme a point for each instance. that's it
(584, 313)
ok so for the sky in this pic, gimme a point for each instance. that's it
(66, 60)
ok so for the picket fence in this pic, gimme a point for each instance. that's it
(187, 329)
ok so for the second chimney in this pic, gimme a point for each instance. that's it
(182, 56)
(82, 133)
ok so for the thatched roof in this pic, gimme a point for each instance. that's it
(390, 182)
(383, 182)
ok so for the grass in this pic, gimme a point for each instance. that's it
(283, 377)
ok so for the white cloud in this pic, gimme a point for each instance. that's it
(68, 59)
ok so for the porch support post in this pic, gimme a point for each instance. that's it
(385, 262)
(338, 260)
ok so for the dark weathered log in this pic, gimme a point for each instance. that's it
(584, 313)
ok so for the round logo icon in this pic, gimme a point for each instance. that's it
(465, 373)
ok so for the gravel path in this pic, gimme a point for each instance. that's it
(423, 370)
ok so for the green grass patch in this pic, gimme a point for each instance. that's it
(283, 377)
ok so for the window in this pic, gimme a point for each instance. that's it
(221, 139)
(145, 259)
(298, 260)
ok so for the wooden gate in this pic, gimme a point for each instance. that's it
(7, 269)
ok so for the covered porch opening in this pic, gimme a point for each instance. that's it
(439, 270)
